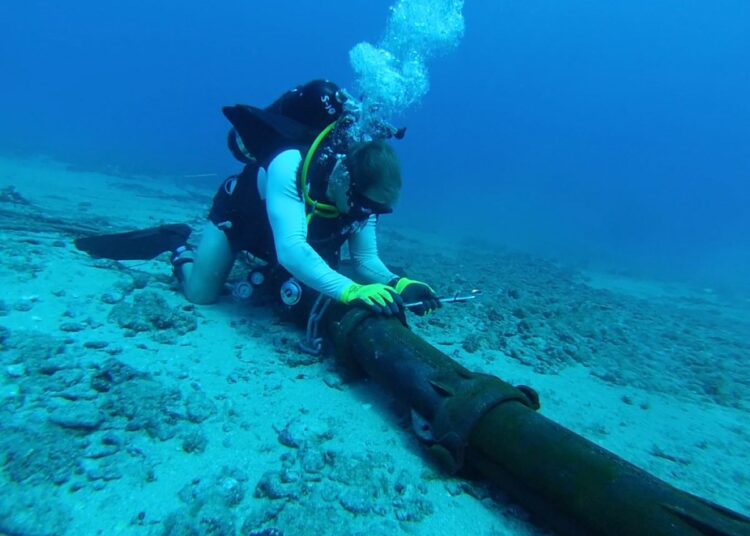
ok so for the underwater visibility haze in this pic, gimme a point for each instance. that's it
(609, 133)
(576, 189)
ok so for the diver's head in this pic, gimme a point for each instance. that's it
(366, 181)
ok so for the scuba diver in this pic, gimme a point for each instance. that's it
(313, 180)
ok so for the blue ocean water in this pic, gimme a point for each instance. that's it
(612, 134)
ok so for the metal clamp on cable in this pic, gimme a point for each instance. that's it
(468, 396)
(312, 343)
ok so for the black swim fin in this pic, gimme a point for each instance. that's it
(136, 245)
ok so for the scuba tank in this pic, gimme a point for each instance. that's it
(293, 119)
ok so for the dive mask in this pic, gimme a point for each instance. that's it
(362, 207)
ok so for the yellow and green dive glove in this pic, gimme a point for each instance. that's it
(419, 293)
(377, 297)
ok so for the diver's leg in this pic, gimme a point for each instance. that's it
(203, 279)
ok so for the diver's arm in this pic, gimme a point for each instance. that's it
(286, 211)
(363, 248)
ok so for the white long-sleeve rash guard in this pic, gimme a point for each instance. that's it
(286, 212)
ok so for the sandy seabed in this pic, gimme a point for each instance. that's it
(124, 409)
